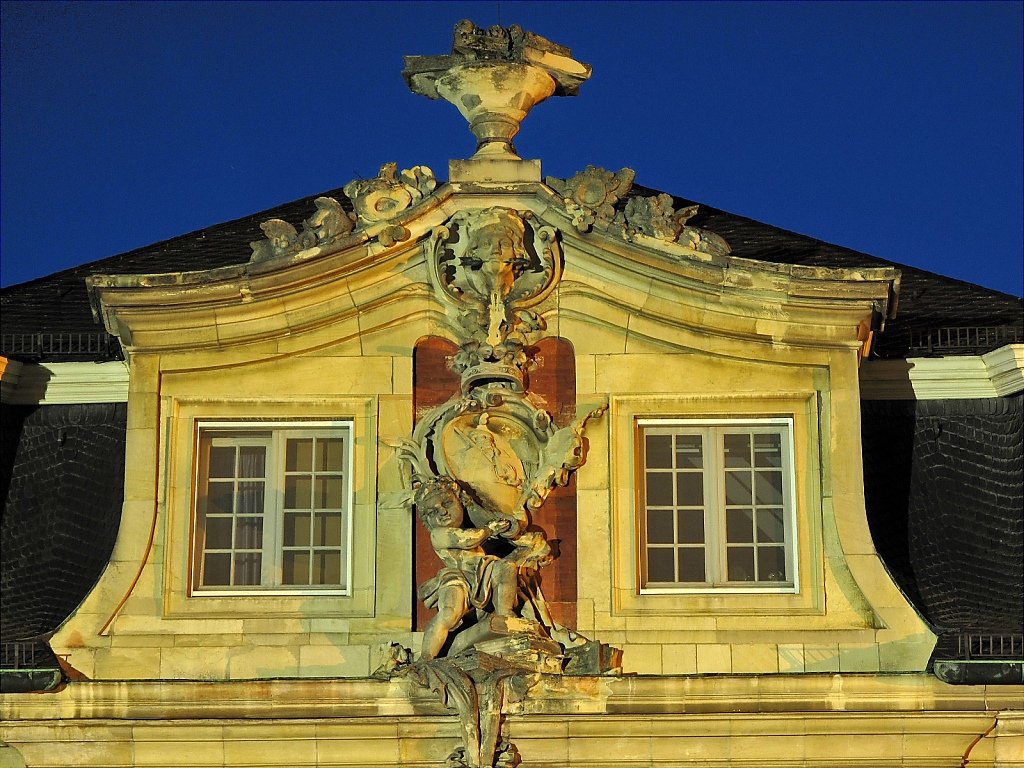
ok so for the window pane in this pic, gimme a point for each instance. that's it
(299, 456)
(659, 451)
(739, 525)
(737, 450)
(330, 455)
(771, 564)
(330, 493)
(217, 569)
(296, 530)
(249, 533)
(297, 492)
(690, 489)
(218, 533)
(295, 568)
(689, 453)
(770, 527)
(691, 526)
(660, 565)
(250, 499)
(691, 564)
(222, 461)
(737, 488)
(247, 568)
(252, 461)
(659, 526)
(769, 487)
(327, 568)
(768, 450)
(327, 531)
(220, 497)
(659, 489)
(741, 563)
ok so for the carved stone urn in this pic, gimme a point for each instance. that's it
(494, 77)
(495, 97)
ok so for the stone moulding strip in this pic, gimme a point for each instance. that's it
(554, 695)
(66, 383)
(963, 377)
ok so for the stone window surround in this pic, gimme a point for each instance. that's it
(186, 416)
(271, 538)
(626, 412)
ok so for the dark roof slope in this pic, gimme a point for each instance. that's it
(61, 471)
(59, 304)
(944, 490)
(928, 302)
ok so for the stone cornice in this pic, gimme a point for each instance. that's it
(58, 383)
(995, 374)
(557, 695)
(1006, 368)
(356, 275)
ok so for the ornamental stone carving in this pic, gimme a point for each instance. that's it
(389, 193)
(330, 222)
(477, 468)
(494, 77)
(489, 267)
(590, 196)
(375, 202)
(656, 217)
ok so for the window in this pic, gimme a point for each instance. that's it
(273, 508)
(716, 502)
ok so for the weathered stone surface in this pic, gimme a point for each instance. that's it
(494, 77)
(590, 196)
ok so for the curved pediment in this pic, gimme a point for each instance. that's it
(629, 261)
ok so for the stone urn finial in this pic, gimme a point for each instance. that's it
(494, 77)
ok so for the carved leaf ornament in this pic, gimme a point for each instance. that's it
(375, 202)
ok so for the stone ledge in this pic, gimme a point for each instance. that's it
(555, 695)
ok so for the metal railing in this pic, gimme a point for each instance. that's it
(984, 646)
(59, 344)
(960, 338)
(20, 655)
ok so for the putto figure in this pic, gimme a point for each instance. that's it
(471, 578)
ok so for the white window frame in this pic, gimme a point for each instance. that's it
(280, 432)
(714, 507)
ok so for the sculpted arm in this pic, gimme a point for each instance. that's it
(458, 538)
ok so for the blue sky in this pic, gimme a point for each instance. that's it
(891, 128)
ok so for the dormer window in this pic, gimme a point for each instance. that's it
(273, 508)
(716, 503)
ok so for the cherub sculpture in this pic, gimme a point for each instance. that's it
(471, 578)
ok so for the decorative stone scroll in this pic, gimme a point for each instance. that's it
(330, 222)
(590, 196)
(375, 201)
(590, 199)
(478, 467)
(382, 198)
(656, 217)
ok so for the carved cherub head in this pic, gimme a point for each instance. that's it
(438, 503)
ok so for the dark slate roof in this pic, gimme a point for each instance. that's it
(59, 304)
(944, 490)
(61, 478)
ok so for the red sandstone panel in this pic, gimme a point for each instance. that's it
(433, 384)
(553, 384)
